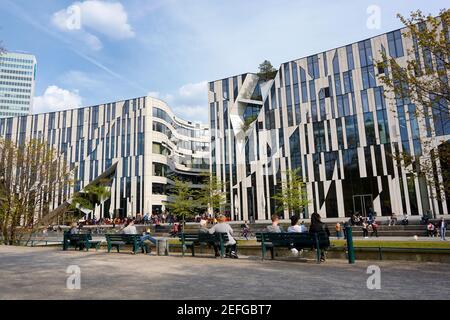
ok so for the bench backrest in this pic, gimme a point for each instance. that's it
(79, 237)
(190, 237)
(203, 237)
(127, 238)
(285, 238)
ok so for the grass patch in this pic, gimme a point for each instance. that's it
(394, 244)
(362, 243)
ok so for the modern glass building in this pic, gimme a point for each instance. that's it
(141, 138)
(329, 116)
(17, 81)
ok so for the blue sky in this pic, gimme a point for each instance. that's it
(169, 49)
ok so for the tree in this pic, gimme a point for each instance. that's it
(181, 200)
(212, 195)
(33, 177)
(292, 196)
(248, 122)
(266, 71)
(90, 196)
(422, 83)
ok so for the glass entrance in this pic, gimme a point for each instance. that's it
(362, 203)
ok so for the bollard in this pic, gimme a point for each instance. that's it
(350, 248)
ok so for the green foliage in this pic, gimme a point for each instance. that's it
(292, 196)
(428, 89)
(31, 174)
(266, 71)
(90, 196)
(182, 201)
(248, 122)
(212, 194)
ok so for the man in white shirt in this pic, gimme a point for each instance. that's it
(130, 228)
(223, 227)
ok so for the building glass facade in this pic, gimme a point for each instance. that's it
(329, 116)
(17, 82)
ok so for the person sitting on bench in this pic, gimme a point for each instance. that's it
(146, 240)
(130, 228)
(294, 227)
(274, 227)
(223, 227)
(204, 229)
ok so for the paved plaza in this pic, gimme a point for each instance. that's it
(40, 273)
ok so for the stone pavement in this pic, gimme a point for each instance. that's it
(40, 273)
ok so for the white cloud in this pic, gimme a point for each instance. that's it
(154, 94)
(55, 98)
(189, 102)
(82, 19)
(193, 90)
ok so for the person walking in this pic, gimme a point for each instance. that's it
(442, 228)
(318, 227)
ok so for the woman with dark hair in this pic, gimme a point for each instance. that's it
(320, 229)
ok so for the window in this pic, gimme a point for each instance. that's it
(312, 90)
(336, 63)
(383, 126)
(368, 77)
(365, 53)
(225, 89)
(288, 96)
(364, 101)
(319, 136)
(337, 84)
(351, 128)
(296, 94)
(348, 82)
(395, 44)
(413, 121)
(294, 146)
(379, 98)
(370, 128)
(294, 73)
(287, 75)
(313, 66)
(350, 61)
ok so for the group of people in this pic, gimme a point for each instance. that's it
(156, 218)
(317, 226)
(435, 229)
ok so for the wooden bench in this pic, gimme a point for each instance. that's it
(79, 240)
(118, 240)
(190, 240)
(299, 241)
